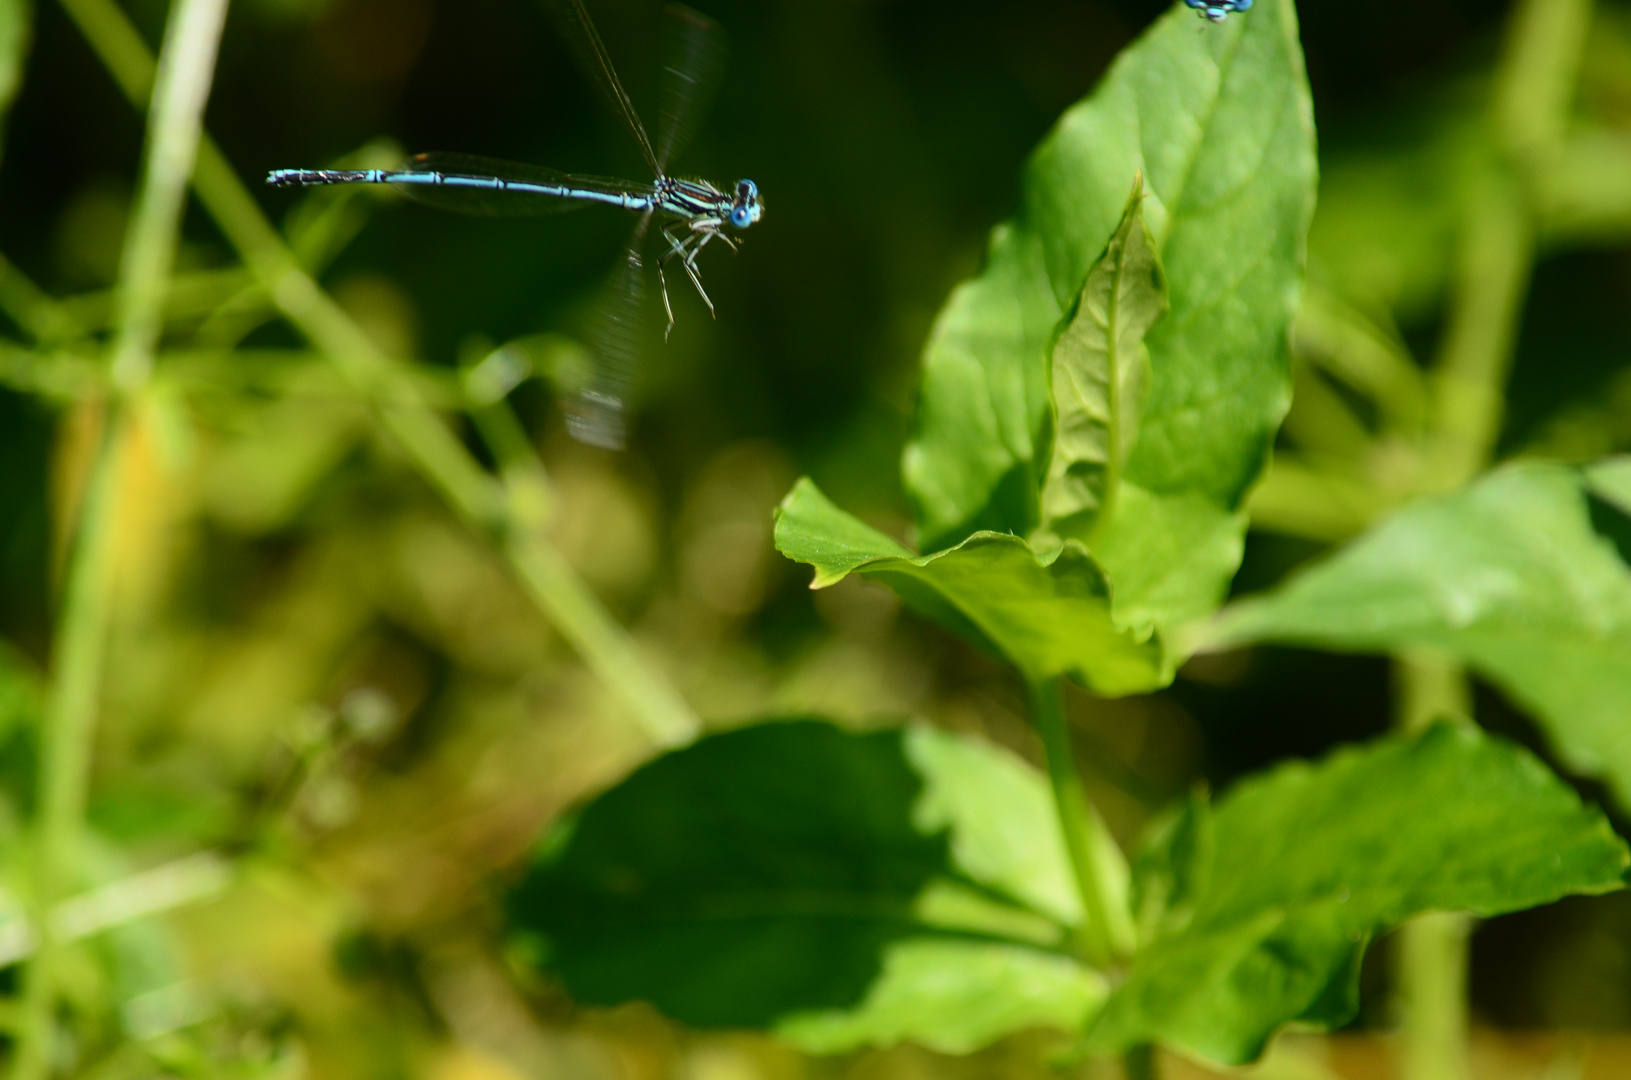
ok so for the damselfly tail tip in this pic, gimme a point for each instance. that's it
(313, 177)
(596, 419)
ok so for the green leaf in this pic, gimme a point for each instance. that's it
(1218, 121)
(954, 997)
(1308, 861)
(1610, 480)
(1048, 615)
(1099, 374)
(842, 889)
(1173, 869)
(1520, 576)
(810, 529)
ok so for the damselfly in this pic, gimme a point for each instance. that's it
(700, 211)
(1218, 10)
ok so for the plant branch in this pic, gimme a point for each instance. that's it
(1105, 934)
(65, 745)
(1296, 498)
(175, 120)
(1139, 1063)
(1533, 92)
(438, 454)
(1430, 961)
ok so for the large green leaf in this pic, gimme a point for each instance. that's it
(1299, 867)
(1519, 576)
(1048, 615)
(1099, 374)
(843, 889)
(954, 997)
(1218, 121)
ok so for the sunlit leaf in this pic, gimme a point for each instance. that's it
(1048, 615)
(844, 889)
(1218, 121)
(1523, 576)
(1099, 373)
(954, 997)
(1307, 862)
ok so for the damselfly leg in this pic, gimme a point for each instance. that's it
(701, 231)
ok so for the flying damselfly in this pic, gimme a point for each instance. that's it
(700, 211)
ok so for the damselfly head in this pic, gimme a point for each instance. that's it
(746, 207)
(1218, 10)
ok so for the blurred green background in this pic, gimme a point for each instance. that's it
(320, 673)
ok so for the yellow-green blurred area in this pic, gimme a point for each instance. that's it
(333, 723)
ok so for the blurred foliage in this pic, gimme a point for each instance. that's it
(323, 678)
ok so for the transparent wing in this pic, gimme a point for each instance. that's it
(490, 188)
(599, 416)
(576, 26)
(693, 63)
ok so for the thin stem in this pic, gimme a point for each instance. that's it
(1533, 92)
(175, 121)
(437, 453)
(1534, 89)
(1497, 252)
(1429, 686)
(65, 746)
(1431, 971)
(1430, 964)
(186, 69)
(1139, 1063)
(1298, 498)
(16, 31)
(1104, 935)
(605, 648)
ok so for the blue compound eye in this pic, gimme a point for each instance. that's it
(741, 218)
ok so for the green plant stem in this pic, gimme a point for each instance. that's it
(16, 32)
(1497, 251)
(1431, 971)
(77, 655)
(1534, 89)
(1430, 963)
(544, 573)
(1429, 686)
(186, 69)
(441, 458)
(1139, 1063)
(175, 121)
(1084, 832)
(1533, 92)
